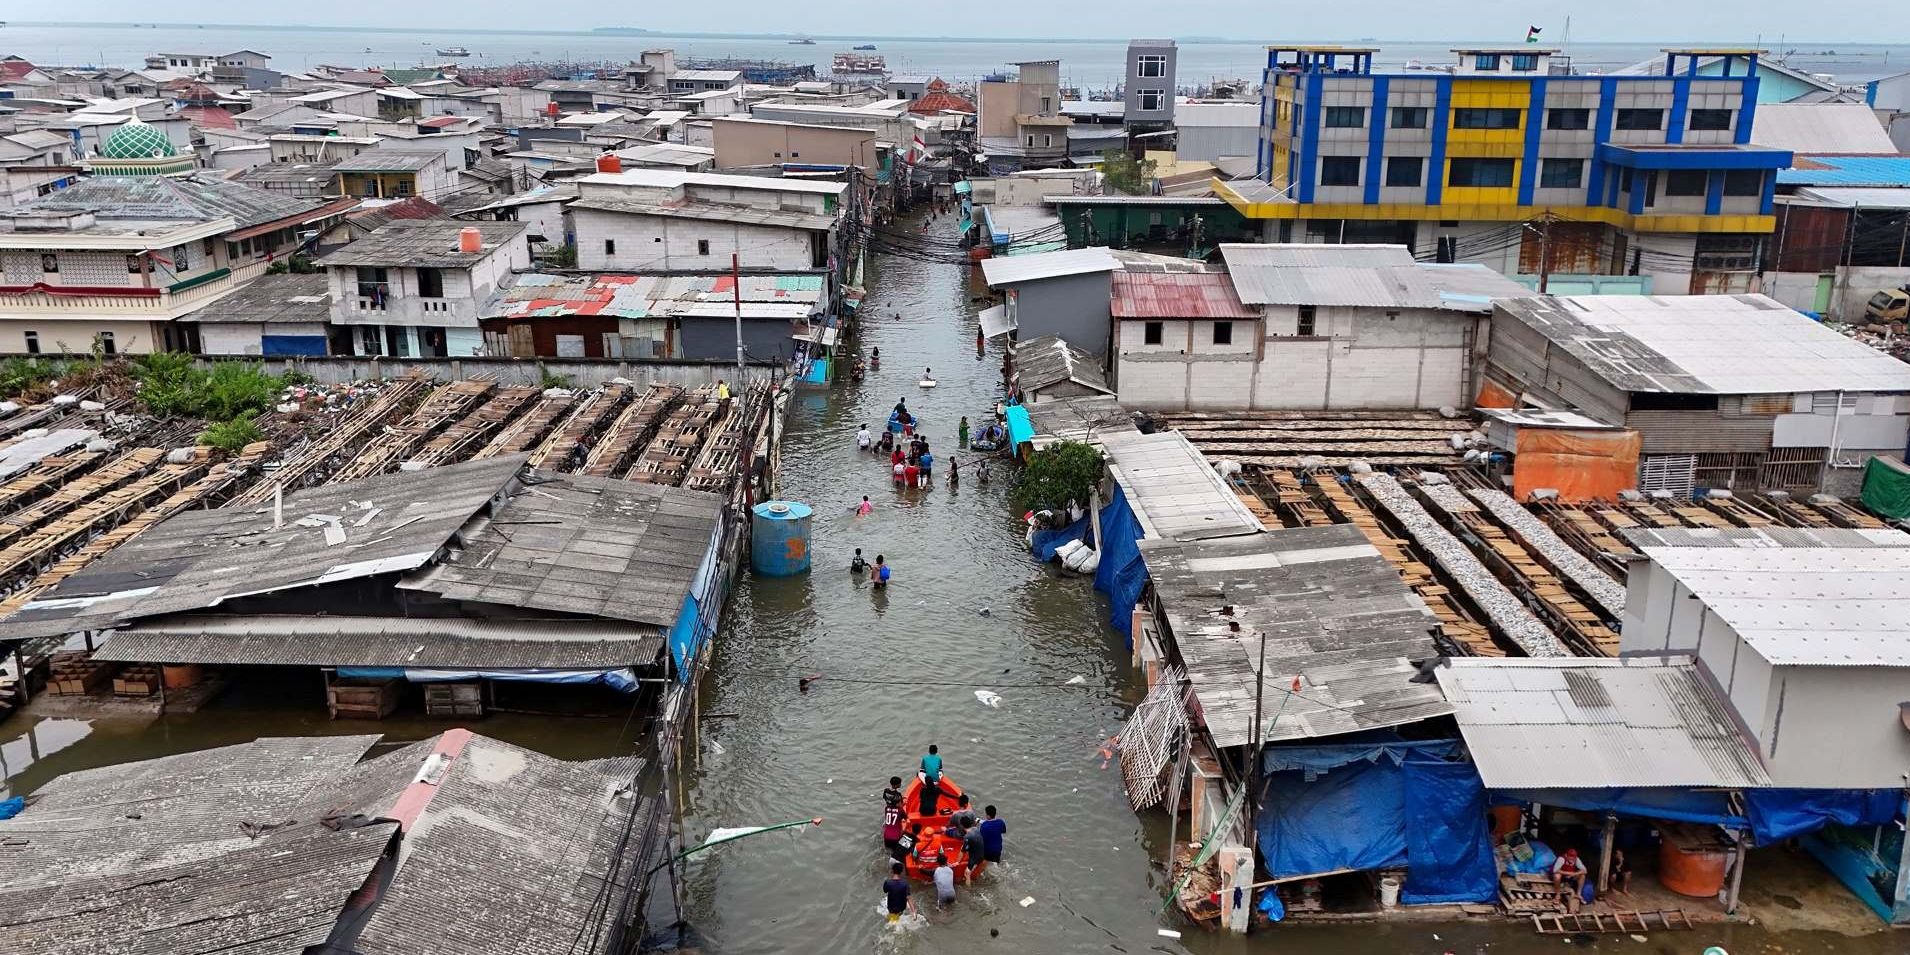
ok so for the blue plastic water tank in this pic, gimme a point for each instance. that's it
(779, 538)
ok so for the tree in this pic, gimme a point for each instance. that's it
(1125, 174)
(1065, 471)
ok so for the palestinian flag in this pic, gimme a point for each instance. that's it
(1531, 34)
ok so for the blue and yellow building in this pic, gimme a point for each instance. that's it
(1653, 175)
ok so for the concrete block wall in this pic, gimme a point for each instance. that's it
(661, 242)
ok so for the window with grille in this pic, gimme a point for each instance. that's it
(1150, 65)
(1674, 473)
(1561, 173)
(1409, 117)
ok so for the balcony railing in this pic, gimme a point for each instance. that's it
(131, 301)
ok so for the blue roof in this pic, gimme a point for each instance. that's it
(1847, 171)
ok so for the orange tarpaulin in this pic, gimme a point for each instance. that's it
(1491, 395)
(1581, 465)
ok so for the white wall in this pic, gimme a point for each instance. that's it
(1356, 358)
(661, 242)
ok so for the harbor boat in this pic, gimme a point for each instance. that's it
(454, 51)
(923, 824)
(804, 41)
(864, 46)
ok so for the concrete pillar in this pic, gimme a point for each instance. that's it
(1236, 887)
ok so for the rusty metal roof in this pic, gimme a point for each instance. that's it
(1178, 295)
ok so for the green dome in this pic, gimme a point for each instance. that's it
(137, 140)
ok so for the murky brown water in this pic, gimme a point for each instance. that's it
(898, 671)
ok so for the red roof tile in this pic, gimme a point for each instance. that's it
(209, 117)
(1178, 295)
(13, 69)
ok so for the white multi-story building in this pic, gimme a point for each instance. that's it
(653, 219)
(415, 287)
(110, 262)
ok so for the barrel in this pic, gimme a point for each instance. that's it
(779, 538)
(1694, 870)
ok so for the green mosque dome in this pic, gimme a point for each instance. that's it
(137, 140)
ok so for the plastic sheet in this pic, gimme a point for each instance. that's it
(1581, 465)
(1020, 429)
(1779, 814)
(12, 807)
(1492, 395)
(1048, 541)
(1353, 817)
(1448, 846)
(1122, 574)
(1682, 805)
(685, 636)
(623, 681)
(1887, 487)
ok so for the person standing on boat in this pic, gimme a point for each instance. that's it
(896, 889)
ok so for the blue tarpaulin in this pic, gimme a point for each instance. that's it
(1020, 429)
(1352, 817)
(1122, 573)
(685, 636)
(1683, 805)
(1375, 806)
(292, 344)
(1448, 845)
(622, 680)
(1779, 814)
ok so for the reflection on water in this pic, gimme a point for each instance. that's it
(37, 739)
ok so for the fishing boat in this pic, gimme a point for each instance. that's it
(454, 51)
(804, 41)
(864, 46)
(858, 63)
(923, 824)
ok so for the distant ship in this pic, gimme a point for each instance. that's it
(805, 41)
(858, 63)
(454, 51)
(865, 46)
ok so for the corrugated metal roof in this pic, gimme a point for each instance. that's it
(288, 297)
(1859, 197)
(710, 211)
(331, 641)
(1706, 344)
(1821, 128)
(1047, 361)
(1576, 723)
(1807, 598)
(1846, 171)
(1374, 276)
(539, 295)
(1008, 270)
(1334, 614)
(430, 243)
(1134, 200)
(1174, 492)
(390, 160)
(201, 558)
(1178, 295)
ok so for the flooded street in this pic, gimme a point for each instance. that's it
(899, 671)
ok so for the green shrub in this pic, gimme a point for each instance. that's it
(19, 374)
(1065, 471)
(172, 384)
(232, 436)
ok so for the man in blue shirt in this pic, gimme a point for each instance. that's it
(897, 890)
(992, 829)
(932, 765)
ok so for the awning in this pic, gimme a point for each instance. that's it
(995, 321)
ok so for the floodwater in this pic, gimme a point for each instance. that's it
(899, 671)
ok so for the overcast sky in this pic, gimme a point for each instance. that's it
(1877, 21)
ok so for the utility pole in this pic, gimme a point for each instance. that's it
(736, 292)
(1544, 230)
(1252, 775)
